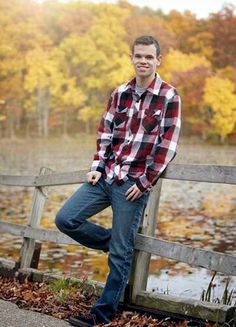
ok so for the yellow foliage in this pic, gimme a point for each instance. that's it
(29, 103)
(228, 72)
(177, 61)
(69, 56)
(92, 114)
(220, 97)
(43, 70)
(202, 42)
(2, 118)
(72, 96)
(181, 23)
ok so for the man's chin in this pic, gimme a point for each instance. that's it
(143, 74)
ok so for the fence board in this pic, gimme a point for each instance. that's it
(17, 180)
(75, 177)
(211, 260)
(39, 199)
(14, 229)
(199, 309)
(141, 261)
(200, 173)
(39, 234)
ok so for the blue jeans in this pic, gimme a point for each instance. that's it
(72, 219)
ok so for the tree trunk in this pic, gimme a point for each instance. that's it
(11, 131)
(87, 125)
(65, 122)
(38, 111)
(27, 129)
(46, 103)
(222, 139)
(42, 109)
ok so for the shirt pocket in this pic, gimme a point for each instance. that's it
(120, 117)
(151, 120)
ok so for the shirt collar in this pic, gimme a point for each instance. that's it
(153, 88)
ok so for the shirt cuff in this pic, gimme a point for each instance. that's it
(98, 165)
(143, 183)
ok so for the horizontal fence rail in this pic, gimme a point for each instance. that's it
(145, 244)
(197, 173)
(211, 260)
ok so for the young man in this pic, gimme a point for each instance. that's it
(137, 138)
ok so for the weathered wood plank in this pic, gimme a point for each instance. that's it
(211, 260)
(14, 229)
(141, 261)
(49, 235)
(41, 180)
(17, 180)
(186, 306)
(39, 199)
(39, 234)
(75, 177)
(201, 173)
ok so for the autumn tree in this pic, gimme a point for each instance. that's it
(61, 60)
(19, 33)
(188, 73)
(222, 26)
(99, 59)
(51, 87)
(220, 106)
(145, 21)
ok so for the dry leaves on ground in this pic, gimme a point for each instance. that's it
(65, 300)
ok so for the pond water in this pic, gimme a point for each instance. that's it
(198, 214)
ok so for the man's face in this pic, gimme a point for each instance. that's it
(145, 60)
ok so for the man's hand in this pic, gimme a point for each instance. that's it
(93, 177)
(133, 193)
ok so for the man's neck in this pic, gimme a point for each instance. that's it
(144, 82)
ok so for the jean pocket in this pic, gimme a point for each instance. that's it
(131, 181)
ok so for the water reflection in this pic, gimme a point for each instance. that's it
(189, 282)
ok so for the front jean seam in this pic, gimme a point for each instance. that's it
(124, 266)
(84, 208)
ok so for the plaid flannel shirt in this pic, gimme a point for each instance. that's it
(138, 138)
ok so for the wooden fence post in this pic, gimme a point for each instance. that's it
(39, 198)
(140, 267)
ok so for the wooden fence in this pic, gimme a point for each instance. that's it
(146, 244)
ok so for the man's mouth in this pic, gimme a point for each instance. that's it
(142, 67)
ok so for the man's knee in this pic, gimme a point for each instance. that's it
(66, 222)
(62, 221)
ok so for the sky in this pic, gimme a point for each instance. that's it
(202, 8)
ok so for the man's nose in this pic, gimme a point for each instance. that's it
(143, 59)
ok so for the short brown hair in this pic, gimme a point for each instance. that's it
(147, 40)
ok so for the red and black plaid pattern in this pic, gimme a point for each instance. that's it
(138, 139)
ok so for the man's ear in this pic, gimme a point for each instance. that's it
(131, 57)
(159, 58)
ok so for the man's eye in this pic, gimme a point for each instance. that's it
(137, 56)
(149, 57)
